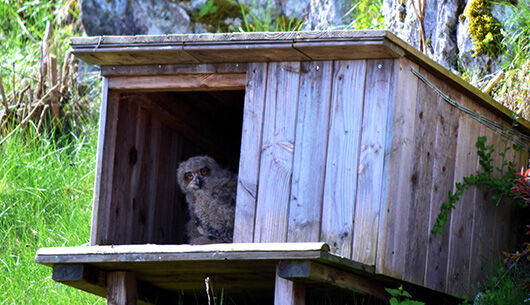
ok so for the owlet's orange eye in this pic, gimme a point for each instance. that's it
(205, 171)
(188, 176)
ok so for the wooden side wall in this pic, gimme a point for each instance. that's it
(315, 142)
(361, 154)
(433, 147)
(137, 201)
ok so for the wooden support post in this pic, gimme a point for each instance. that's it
(287, 292)
(311, 272)
(121, 288)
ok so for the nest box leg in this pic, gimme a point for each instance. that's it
(121, 288)
(287, 292)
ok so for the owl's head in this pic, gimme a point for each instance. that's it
(194, 173)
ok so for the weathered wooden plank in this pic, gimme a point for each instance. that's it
(311, 272)
(421, 184)
(342, 156)
(165, 69)
(130, 56)
(483, 255)
(120, 208)
(307, 187)
(281, 99)
(461, 221)
(121, 288)
(82, 277)
(287, 292)
(180, 82)
(264, 52)
(341, 50)
(377, 100)
(393, 233)
(136, 220)
(442, 183)
(104, 163)
(247, 187)
(184, 249)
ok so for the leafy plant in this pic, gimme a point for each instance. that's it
(256, 19)
(501, 185)
(366, 15)
(401, 297)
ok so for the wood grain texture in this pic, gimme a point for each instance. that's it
(311, 272)
(421, 184)
(393, 233)
(180, 82)
(247, 187)
(461, 222)
(377, 100)
(484, 255)
(287, 292)
(442, 183)
(307, 187)
(105, 152)
(117, 70)
(254, 47)
(281, 99)
(121, 288)
(343, 155)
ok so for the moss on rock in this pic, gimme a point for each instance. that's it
(484, 29)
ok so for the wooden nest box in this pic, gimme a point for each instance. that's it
(352, 138)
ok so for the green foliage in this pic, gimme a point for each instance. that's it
(45, 200)
(484, 29)
(401, 297)
(366, 15)
(265, 19)
(22, 28)
(498, 179)
(218, 15)
(516, 33)
(507, 287)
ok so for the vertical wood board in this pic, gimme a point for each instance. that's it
(461, 221)
(277, 151)
(287, 292)
(393, 232)
(343, 155)
(305, 206)
(247, 186)
(120, 209)
(122, 288)
(442, 183)
(377, 95)
(421, 184)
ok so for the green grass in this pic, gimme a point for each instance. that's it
(45, 200)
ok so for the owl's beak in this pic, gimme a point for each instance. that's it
(197, 181)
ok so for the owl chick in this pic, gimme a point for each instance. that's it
(211, 195)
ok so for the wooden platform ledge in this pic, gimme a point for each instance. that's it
(163, 274)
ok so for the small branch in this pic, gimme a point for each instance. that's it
(4, 98)
(493, 82)
(209, 291)
(28, 117)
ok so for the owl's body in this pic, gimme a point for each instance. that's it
(211, 195)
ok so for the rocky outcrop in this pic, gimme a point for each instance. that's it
(133, 17)
(440, 23)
